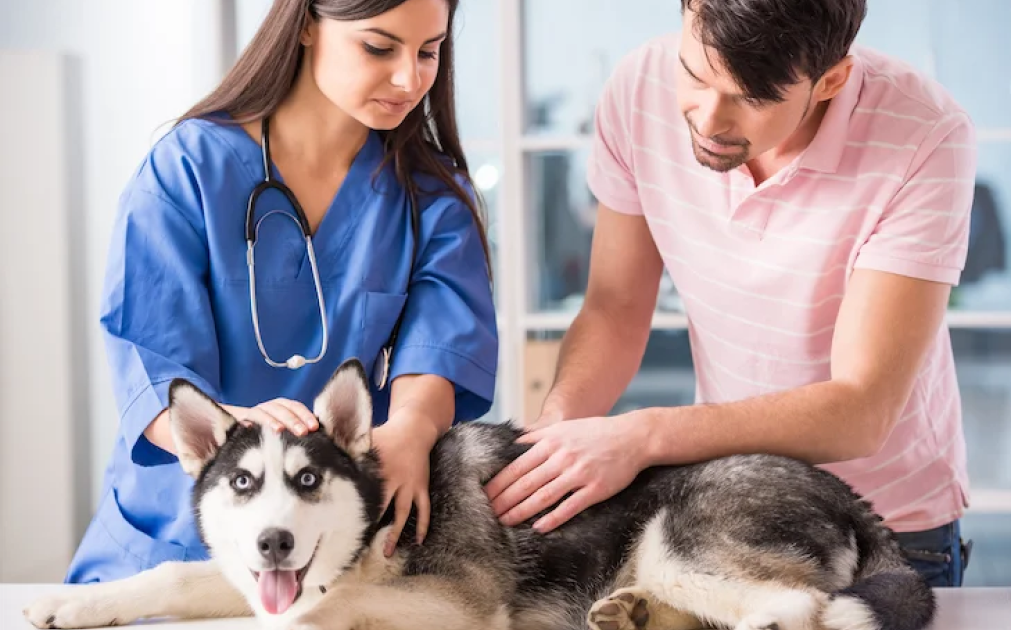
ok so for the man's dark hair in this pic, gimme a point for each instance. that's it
(769, 45)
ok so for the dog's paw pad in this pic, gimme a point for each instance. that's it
(758, 622)
(623, 610)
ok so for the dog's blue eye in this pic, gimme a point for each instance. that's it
(242, 482)
(308, 479)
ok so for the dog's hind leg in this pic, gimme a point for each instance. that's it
(423, 602)
(729, 587)
(182, 590)
(638, 609)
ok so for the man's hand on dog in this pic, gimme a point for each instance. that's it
(594, 458)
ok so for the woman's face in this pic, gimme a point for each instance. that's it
(377, 70)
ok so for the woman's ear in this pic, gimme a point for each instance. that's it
(308, 34)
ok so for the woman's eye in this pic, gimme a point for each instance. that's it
(242, 482)
(378, 52)
(426, 54)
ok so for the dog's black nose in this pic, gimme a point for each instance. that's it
(276, 544)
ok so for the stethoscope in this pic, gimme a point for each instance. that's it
(381, 372)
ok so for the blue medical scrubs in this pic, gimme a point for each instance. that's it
(176, 304)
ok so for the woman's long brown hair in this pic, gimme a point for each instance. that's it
(267, 69)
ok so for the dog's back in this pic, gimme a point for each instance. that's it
(757, 535)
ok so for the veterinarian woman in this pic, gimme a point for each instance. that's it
(340, 89)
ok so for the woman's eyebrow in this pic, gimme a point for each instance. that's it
(400, 40)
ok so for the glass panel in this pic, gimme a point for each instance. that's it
(666, 377)
(486, 171)
(563, 210)
(566, 60)
(990, 560)
(986, 281)
(910, 43)
(561, 229)
(478, 104)
(983, 361)
(973, 57)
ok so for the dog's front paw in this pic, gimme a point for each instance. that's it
(73, 608)
(625, 609)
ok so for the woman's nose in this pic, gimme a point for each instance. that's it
(407, 76)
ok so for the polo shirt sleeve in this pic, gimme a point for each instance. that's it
(610, 171)
(924, 231)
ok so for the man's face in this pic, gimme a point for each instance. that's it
(728, 129)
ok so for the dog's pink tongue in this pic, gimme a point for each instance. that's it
(277, 590)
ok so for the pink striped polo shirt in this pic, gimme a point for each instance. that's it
(886, 184)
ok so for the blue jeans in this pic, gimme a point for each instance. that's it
(939, 555)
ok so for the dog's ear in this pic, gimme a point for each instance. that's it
(199, 425)
(344, 409)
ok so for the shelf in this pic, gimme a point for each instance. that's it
(549, 143)
(580, 142)
(559, 321)
(990, 502)
(993, 134)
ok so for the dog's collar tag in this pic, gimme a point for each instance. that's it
(381, 370)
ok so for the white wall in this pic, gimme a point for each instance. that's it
(39, 496)
(141, 64)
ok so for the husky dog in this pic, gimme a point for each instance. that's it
(294, 529)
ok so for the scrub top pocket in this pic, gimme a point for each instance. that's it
(378, 318)
(134, 545)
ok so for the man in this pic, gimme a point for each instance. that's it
(810, 200)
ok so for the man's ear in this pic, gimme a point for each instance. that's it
(344, 409)
(198, 424)
(833, 81)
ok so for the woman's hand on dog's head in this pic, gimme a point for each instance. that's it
(278, 414)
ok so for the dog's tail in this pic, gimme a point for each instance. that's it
(887, 594)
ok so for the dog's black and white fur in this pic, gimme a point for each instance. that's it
(294, 528)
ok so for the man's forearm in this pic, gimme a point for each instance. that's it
(819, 423)
(598, 358)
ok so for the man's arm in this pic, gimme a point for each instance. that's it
(602, 349)
(885, 326)
(883, 331)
